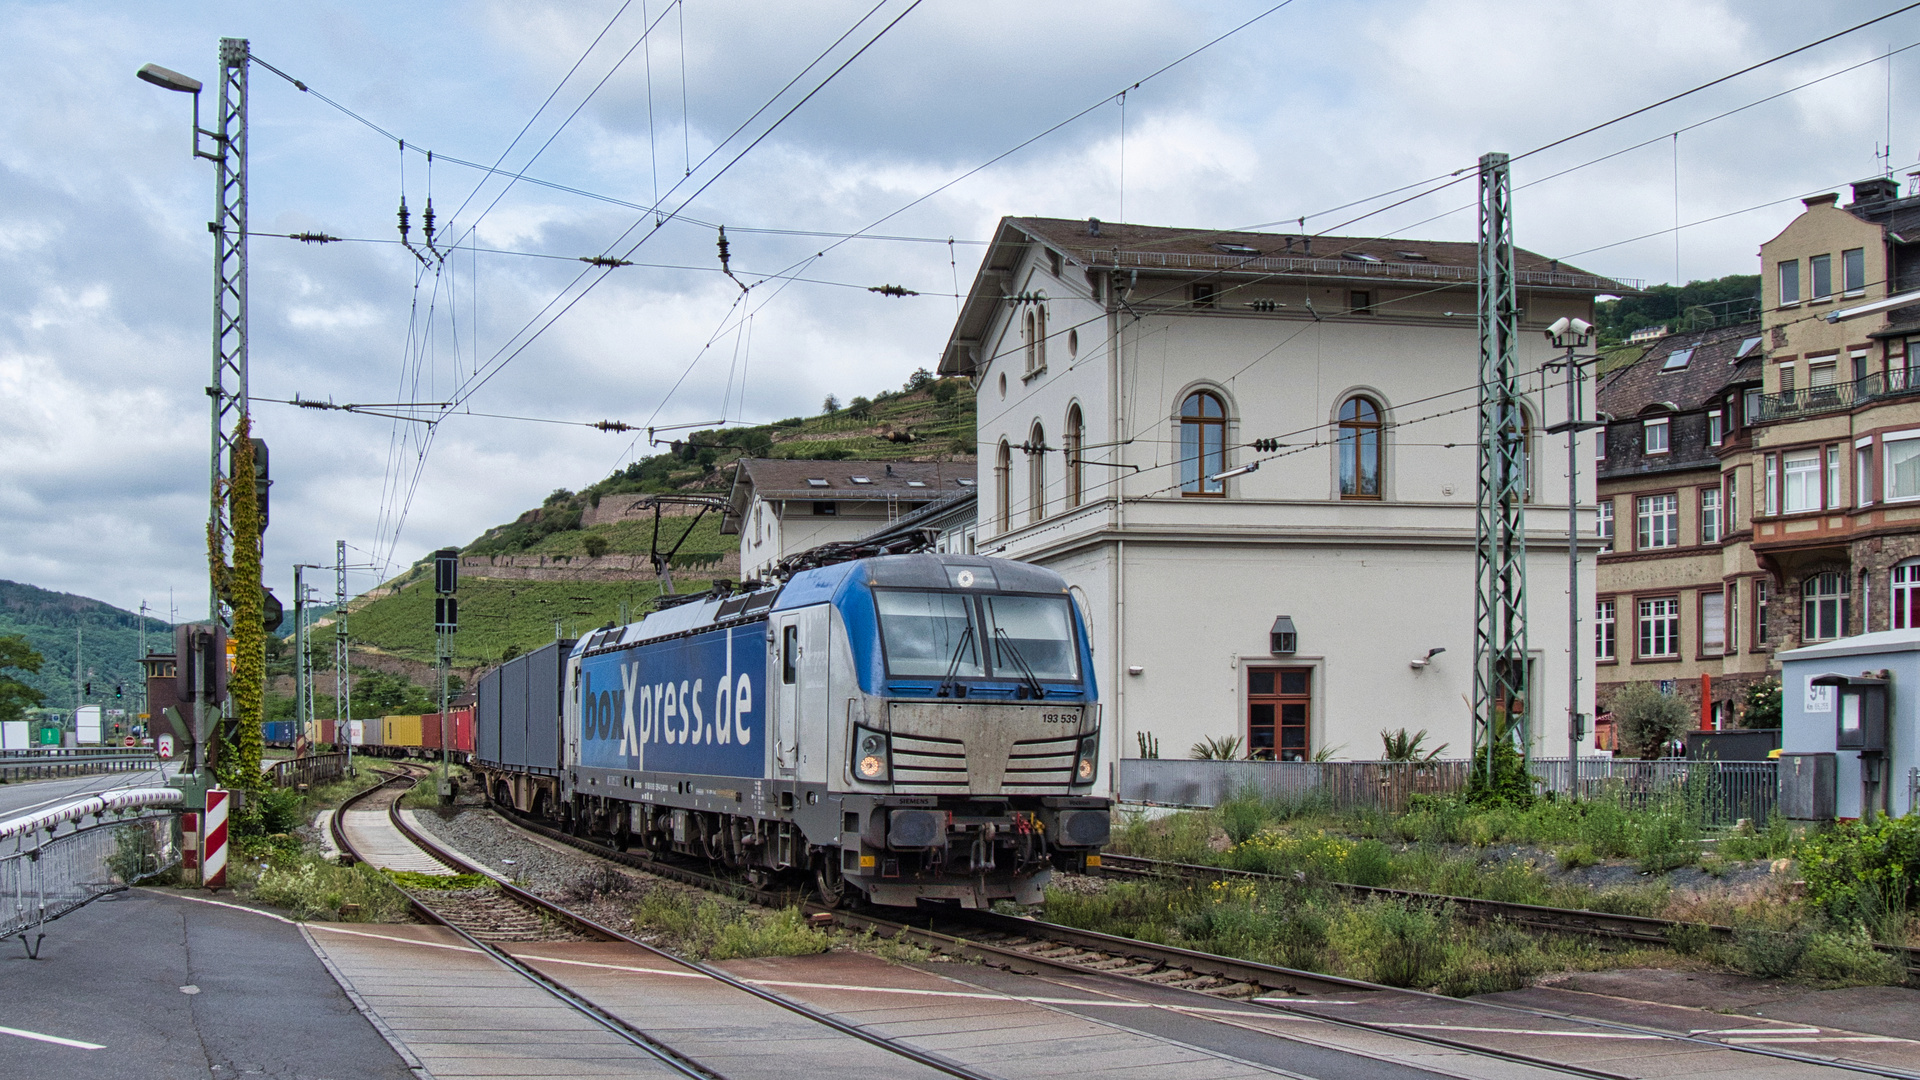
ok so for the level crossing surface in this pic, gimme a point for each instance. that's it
(24, 797)
(147, 983)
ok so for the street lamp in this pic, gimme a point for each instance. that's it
(1572, 335)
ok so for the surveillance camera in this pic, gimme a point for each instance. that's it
(1582, 327)
(1559, 326)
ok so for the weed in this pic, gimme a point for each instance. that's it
(601, 881)
(1369, 862)
(1848, 957)
(709, 931)
(1768, 953)
(1575, 856)
(1394, 941)
(311, 888)
(413, 879)
(1746, 842)
(1690, 939)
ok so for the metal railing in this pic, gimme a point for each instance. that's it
(1722, 792)
(310, 770)
(1813, 400)
(45, 761)
(48, 873)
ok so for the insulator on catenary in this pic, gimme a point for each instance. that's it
(891, 290)
(405, 228)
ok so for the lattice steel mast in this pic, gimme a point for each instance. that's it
(1500, 588)
(228, 390)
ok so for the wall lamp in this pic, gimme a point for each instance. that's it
(1243, 470)
(1423, 661)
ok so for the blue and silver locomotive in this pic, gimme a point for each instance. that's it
(905, 726)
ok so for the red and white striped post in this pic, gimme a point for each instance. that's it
(213, 849)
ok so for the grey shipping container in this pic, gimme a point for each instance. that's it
(486, 718)
(513, 713)
(544, 668)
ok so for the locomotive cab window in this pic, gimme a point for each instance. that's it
(928, 634)
(1034, 632)
(789, 654)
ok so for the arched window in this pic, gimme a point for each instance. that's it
(1073, 442)
(1002, 476)
(1823, 601)
(1203, 445)
(1039, 338)
(1036, 473)
(1906, 595)
(1360, 464)
(1029, 333)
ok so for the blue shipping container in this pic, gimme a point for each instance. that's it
(690, 705)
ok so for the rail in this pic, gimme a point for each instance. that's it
(310, 770)
(41, 762)
(49, 873)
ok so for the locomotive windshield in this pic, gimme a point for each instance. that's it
(942, 634)
(928, 634)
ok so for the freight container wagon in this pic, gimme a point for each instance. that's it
(517, 728)
(278, 733)
(458, 727)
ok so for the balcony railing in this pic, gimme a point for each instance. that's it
(1813, 400)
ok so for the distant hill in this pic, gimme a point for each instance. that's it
(109, 643)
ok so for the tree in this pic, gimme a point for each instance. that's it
(17, 697)
(596, 546)
(1762, 705)
(919, 380)
(1647, 720)
(945, 389)
(831, 405)
(859, 407)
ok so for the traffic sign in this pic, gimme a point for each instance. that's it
(163, 749)
(213, 847)
(128, 742)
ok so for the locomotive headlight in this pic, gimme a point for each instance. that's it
(1087, 763)
(870, 755)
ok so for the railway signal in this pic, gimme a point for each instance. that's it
(446, 622)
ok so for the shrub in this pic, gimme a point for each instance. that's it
(1748, 842)
(1395, 942)
(310, 888)
(945, 389)
(1848, 956)
(1769, 954)
(709, 931)
(1762, 705)
(1369, 862)
(596, 546)
(1859, 873)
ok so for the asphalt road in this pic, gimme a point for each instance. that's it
(147, 984)
(27, 796)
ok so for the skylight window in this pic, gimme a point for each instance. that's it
(816, 481)
(1746, 347)
(1677, 359)
(1412, 256)
(965, 481)
(1237, 249)
(1360, 256)
(916, 483)
(861, 479)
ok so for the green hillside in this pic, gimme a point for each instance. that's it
(498, 619)
(109, 643)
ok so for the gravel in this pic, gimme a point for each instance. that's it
(604, 891)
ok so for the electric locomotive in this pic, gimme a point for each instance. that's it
(902, 727)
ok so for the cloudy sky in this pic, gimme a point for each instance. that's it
(105, 258)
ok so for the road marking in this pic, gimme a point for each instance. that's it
(1756, 1031)
(391, 937)
(1526, 1031)
(75, 1043)
(1769, 1040)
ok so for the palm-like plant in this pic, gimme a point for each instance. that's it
(1217, 748)
(1398, 746)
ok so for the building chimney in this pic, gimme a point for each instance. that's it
(1093, 226)
(1879, 189)
(1821, 200)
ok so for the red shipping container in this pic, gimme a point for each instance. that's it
(459, 730)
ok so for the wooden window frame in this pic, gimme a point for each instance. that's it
(1203, 424)
(1278, 699)
(1359, 431)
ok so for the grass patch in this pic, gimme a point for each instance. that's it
(309, 887)
(706, 929)
(413, 879)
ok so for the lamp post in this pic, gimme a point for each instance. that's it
(1572, 335)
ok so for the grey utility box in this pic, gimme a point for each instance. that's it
(1806, 787)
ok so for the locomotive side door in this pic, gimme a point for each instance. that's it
(787, 651)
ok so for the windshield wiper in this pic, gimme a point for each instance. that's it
(1034, 689)
(950, 686)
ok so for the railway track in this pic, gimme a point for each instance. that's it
(500, 913)
(1037, 948)
(1641, 929)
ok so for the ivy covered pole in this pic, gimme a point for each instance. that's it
(240, 758)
